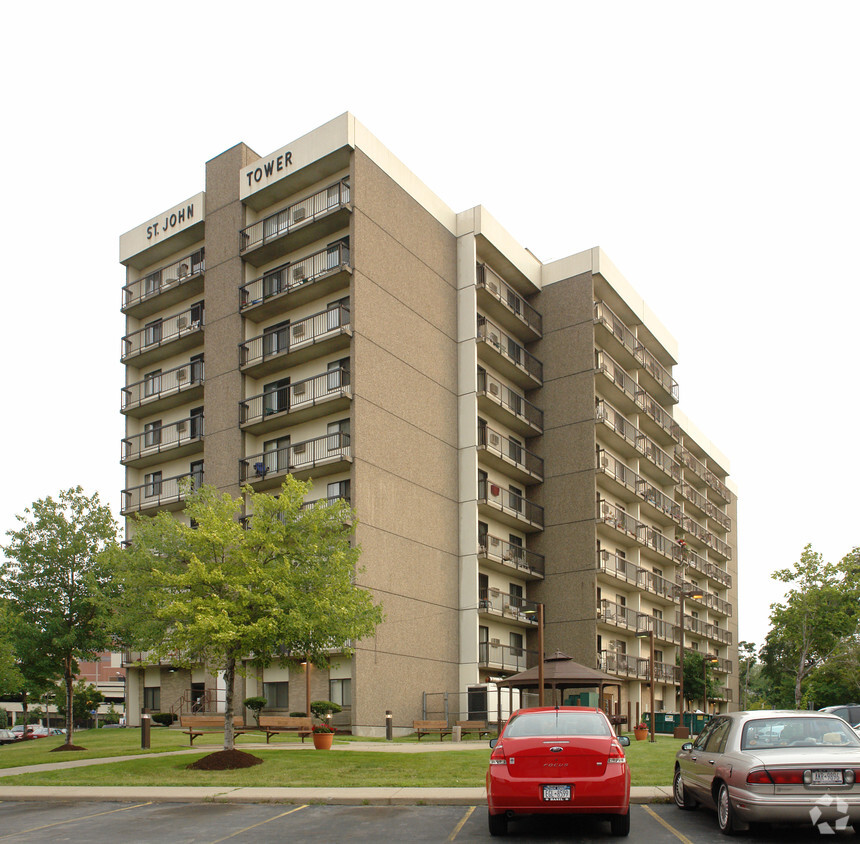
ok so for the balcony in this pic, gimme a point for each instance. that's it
(512, 608)
(508, 507)
(160, 391)
(311, 398)
(160, 494)
(617, 615)
(701, 471)
(296, 283)
(504, 556)
(508, 406)
(613, 333)
(707, 630)
(506, 306)
(702, 535)
(621, 569)
(319, 456)
(657, 504)
(507, 356)
(710, 570)
(176, 439)
(303, 222)
(655, 378)
(624, 387)
(166, 286)
(627, 665)
(323, 332)
(645, 535)
(654, 412)
(508, 456)
(494, 656)
(164, 337)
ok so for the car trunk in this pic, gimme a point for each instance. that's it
(533, 757)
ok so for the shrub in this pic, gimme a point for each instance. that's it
(255, 704)
(298, 715)
(164, 718)
(321, 707)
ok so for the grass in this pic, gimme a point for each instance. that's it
(650, 764)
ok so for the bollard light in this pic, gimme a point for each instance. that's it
(389, 728)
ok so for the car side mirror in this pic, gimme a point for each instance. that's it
(687, 745)
(494, 742)
(624, 741)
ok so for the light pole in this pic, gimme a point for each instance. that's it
(539, 611)
(683, 593)
(650, 634)
(707, 659)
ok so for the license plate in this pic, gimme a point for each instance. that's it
(827, 777)
(555, 793)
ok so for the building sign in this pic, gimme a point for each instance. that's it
(162, 227)
(172, 220)
(279, 163)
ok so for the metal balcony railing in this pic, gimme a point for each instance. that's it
(495, 548)
(162, 438)
(630, 573)
(290, 276)
(496, 602)
(501, 657)
(701, 471)
(643, 533)
(512, 450)
(293, 216)
(604, 315)
(510, 399)
(616, 373)
(510, 502)
(624, 664)
(164, 278)
(501, 290)
(159, 492)
(658, 413)
(162, 331)
(295, 396)
(648, 492)
(658, 372)
(295, 457)
(509, 348)
(280, 341)
(157, 384)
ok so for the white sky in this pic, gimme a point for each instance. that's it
(710, 148)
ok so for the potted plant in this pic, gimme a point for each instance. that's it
(323, 735)
(640, 731)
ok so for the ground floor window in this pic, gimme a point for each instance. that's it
(340, 692)
(152, 698)
(277, 695)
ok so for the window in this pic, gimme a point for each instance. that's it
(340, 692)
(152, 434)
(276, 339)
(276, 396)
(152, 283)
(197, 260)
(333, 253)
(338, 374)
(196, 426)
(152, 333)
(516, 640)
(338, 489)
(197, 314)
(273, 283)
(483, 531)
(516, 552)
(338, 435)
(152, 698)
(152, 383)
(657, 613)
(515, 591)
(337, 314)
(196, 472)
(152, 484)
(515, 498)
(515, 450)
(196, 369)
(717, 738)
(276, 454)
(277, 695)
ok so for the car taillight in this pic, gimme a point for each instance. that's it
(497, 757)
(779, 777)
(616, 754)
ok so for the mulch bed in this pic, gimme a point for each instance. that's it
(225, 760)
(66, 747)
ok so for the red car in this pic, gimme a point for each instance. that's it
(558, 760)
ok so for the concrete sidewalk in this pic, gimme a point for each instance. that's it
(343, 796)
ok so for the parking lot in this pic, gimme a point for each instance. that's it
(210, 823)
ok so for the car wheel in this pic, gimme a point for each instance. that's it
(498, 824)
(726, 813)
(682, 798)
(620, 824)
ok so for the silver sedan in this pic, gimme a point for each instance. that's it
(773, 766)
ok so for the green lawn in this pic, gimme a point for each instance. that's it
(650, 764)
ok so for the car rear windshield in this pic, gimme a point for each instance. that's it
(765, 733)
(557, 724)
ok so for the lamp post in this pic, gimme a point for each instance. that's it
(650, 634)
(707, 659)
(539, 612)
(307, 667)
(683, 593)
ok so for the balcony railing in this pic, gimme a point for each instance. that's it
(159, 384)
(160, 492)
(296, 396)
(604, 315)
(281, 341)
(509, 349)
(490, 281)
(643, 533)
(495, 602)
(295, 457)
(515, 556)
(504, 657)
(610, 612)
(511, 400)
(162, 331)
(626, 665)
(703, 535)
(616, 373)
(163, 438)
(703, 472)
(164, 278)
(659, 500)
(291, 276)
(510, 502)
(510, 451)
(707, 630)
(630, 573)
(658, 413)
(658, 372)
(295, 216)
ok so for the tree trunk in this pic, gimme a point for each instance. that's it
(70, 699)
(229, 677)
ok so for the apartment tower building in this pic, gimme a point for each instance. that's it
(506, 430)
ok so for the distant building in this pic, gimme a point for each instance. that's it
(506, 430)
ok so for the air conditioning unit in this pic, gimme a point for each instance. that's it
(494, 389)
(299, 389)
(180, 427)
(298, 273)
(493, 287)
(494, 540)
(494, 439)
(182, 375)
(299, 330)
(299, 214)
(183, 270)
(494, 338)
(494, 642)
(181, 322)
(299, 449)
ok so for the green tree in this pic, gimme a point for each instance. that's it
(746, 664)
(837, 680)
(59, 584)
(695, 675)
(279, 583)
(819, 614)
(11, 679)
(86, 698)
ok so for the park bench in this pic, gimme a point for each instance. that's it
(479, 727)
(431, 727)
(202, 725)
(271, 725)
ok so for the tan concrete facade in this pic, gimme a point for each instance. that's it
(332, 318)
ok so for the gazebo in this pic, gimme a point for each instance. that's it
(560, 672)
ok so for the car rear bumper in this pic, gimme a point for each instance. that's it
(608, 795)
(809, 808)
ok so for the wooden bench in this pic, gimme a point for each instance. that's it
(271, 725)
(202, 725)
(424, 728)
(479, 727)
